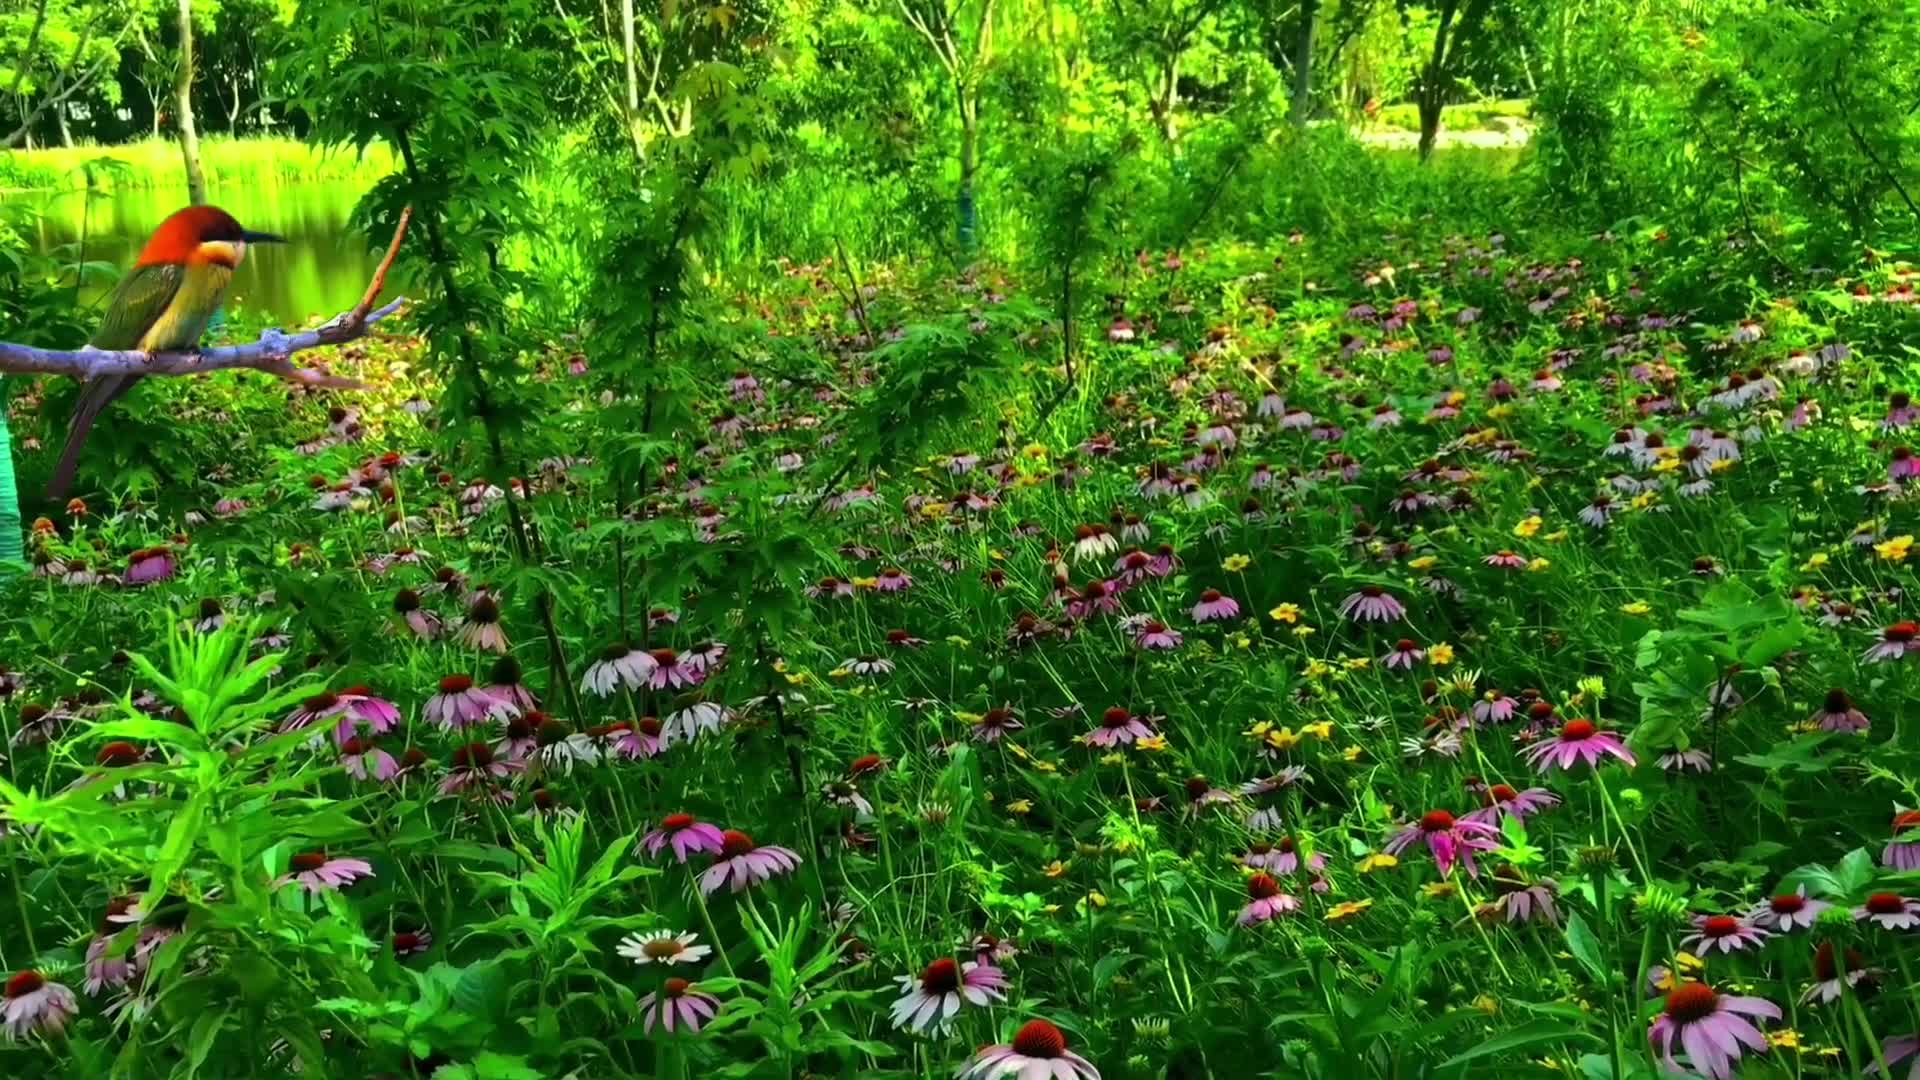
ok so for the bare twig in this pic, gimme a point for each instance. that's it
(272, 354)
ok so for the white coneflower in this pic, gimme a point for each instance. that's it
(663, 947)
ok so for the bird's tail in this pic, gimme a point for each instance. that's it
(94, 398)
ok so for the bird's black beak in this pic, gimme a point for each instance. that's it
(252, 237)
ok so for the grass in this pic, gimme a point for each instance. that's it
(1471, 116)
(153, 164)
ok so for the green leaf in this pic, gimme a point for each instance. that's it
(1530, 1034)
(205, 1030)
(1586, 948)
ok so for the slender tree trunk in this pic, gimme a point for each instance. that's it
(1432, 94)
(183, 101)
(634, 127)
(1169, 99)
(1303, 62)
(12, 553)
(66, 133)
(968, 225)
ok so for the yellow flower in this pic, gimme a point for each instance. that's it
(1487, 1004)
(1666, 465)
(1019, 751)
(1236, 563)
(1242, 641)
(1638, 607)
(959, 642)
(1283, 739)
(1894, 550)
(1439, 890)
(1500, 412)
(1046, 766)
(1286, 613)
(1357, 663)
(1592, 686)
(1424, 562)
(1528, 527)
(1644, 500)
(932, 509)
(866, 583)
(1304, 631)
(1153, 743)
(1348, 910)
(838, 673)
(1320, 730)
(799, 679)
(1115, 758)
(1378, 861)
(1097, 899)
(1353, 753)
(1538, 565)
(1020, 806)
(1555, 537)
(1784, 1039)
(1055, 868)
(1440, 655)
(1036, 451)
(1815, 561)
(1317, 669)
(780, 665)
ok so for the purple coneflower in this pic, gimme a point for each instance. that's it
(1835, 972)
(1038, 1051)
(1787, 912)
(663, 947)
(932, 999)
(1156, 636)
(1215, 605)
(1523, 901)
(1449, 839)
(1406, 653)
(411, 942)
(474, 764)
(619, 665)
(1710, 1028)
(507, 685)
(892, 580)
(36, 1006)
(1728, 933)
(149, 565)
(745, 863)
(686, 836)
(1506, 560)
(1680, 761)
(1494, 707)
(418, 621)
(1890, 911)
(671, 673)
(1265, 900)
(1118, 727)
(1838, 713)
(678, 1004)
(1903, 854)
(363, 760)
(994, 723)
(1579, 740)
(481, 628)
(1372, 604)
(1896, 642)
(1503, 801)
(459, 705)
(317, 873)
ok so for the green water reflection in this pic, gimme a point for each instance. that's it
(321, 271)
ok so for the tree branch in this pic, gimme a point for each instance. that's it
(272, 354)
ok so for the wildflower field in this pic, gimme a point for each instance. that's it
(1439, 658)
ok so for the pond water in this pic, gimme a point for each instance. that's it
(322, 270)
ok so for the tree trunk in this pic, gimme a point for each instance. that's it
(1429, 122)
(1303, 62)
(967, 227)
(1432, 93)
(66, 133)
(12, 553)
(635, 130)
(183, 101)
(1169, 100)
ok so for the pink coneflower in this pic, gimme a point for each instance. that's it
(459, 705)
(1118, 727)
(669, 673)
(1903, 854)
(1522, 901)
(317, 873)
(663, 947)
(618, 665)
(1710, 1028)
(1838, 713)
(363, 760)
(892, 580)
(1503, 801)
(407, 943)
(686, 836)
(679, 1005)
(1901, 411)
(1680, 761)
(1372, 604)
(418, 621)
(481, 628)
(868, 665)
(1902, 465)
(1896, 1051)
(1449, 839)
(1406, 653)
(324, 707)
(1835, 972)
(829, 588)
(1265, 901)
(1038, 1051)
(932, 999)
(1214, 605)
(1156, 636)
(1787, 912)
(475, 765)
(1598, 512)
(1896, 643)
(36, 1006)
(1506, 560)
(558, 748)
(994, 723)
(1494, 707)
(1890, 910)
(148, 566)
(507, 685)
(746, 863)
(1579, 740)
(1728, 933)
(518, 743)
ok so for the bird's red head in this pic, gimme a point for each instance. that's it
(199, 235)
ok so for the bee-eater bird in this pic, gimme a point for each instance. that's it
(162, 305)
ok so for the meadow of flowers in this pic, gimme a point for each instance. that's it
(1429, 657)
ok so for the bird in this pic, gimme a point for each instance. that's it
(161, 305)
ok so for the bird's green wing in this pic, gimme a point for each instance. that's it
(136, 304)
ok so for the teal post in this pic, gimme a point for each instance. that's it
(13, 556)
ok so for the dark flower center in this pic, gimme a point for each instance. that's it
(664, 657)
(1827, 966)
(1838, 701)
(406, 600)
(484, 610)
(209, 609)
(863, 765)
(941, 977)
(1436, 821)
(473, 756)
(662, 948)
(1720, 926)
(1885, 903)
(1904, 820)
(456, 684)
(676, 988)
(734, 843)
(309, 860)
(1039, 1039)
(115, 755)
(1115, 717)
(1372, 591)
(1787, 903)
(1901, 631)
(1262, 887)
(24, 983)
(675, 822)
(649, 726)
(320, 703)
(1211, 596)
(1577, 730)
(1694, 1001)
